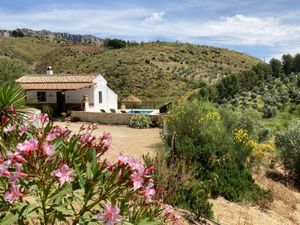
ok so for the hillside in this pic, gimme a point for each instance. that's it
(24, 32)
(275, 103)
(156, 71)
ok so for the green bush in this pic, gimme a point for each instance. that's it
(179, 185)
(218, 143)
(263, 134)
(140, 121)
(48, 109)
(288, 143)
(269, 111)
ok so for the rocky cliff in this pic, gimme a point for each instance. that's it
(52, 35)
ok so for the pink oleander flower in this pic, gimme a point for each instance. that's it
(64, 174)
(108, 138)
(17, 174)
(168, 209)
(50, 137)
(31, 117)
(134, 164)
(11, 110)
(95, 126)
(9, 128)
(43, 118)
(28, 147)
(149, 192)
(4, 119)
(13, 194)
(123, 159)
(149, 170)
(137, 180)
(48, 149)
(12, 158)
(62, 130)
(38, 120)
(23, 129)
(86, 137)
(4, 170)
(111, 215)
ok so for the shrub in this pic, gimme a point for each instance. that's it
(288, 143)
(75, 119)
(269, 111)
(179, 185)
(264, 134)
(140, 121)
(52, 176)
(218, 143)
(47, 109)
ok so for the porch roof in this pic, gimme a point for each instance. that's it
(56, 82)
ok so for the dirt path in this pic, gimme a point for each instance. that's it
(133, 142)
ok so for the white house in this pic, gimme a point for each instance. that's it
(66, 92)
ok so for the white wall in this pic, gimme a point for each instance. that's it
(50, 96)
(76, 96)
(109, 98)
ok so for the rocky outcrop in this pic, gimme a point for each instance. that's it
(53, 35)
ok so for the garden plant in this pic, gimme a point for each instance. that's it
(49, 175)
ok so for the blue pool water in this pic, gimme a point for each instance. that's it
(140, 111)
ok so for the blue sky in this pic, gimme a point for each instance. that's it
(260, 28)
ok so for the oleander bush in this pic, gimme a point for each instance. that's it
(49, 175)
(140, 121)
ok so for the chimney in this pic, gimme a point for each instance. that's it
(49, 70)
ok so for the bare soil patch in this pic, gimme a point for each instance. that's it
(131, 141)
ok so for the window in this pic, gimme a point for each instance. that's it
(100, 96)
(41, 96)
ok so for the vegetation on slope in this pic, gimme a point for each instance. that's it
(152, 71)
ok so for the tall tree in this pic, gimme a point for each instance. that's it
(276, 67)
(287, 62)
(296, 63)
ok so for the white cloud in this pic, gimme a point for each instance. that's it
(145, 24)
(154, 17)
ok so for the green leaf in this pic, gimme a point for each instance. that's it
(9, 219)
(147, 221)
(95, 164)
(60, 193)
(89, 172)
(127, 223)
(63, 210)
(81, 179)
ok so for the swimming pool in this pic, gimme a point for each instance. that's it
(143, 111)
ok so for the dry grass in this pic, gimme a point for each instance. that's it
(284, 210)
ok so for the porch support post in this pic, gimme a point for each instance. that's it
(63, 92)
(86, 103)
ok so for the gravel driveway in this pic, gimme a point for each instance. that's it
(131, 141)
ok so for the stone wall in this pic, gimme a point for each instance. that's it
(107, 118)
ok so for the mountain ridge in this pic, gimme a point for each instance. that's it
(87, 38)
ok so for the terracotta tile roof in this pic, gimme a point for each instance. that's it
(55, 86)
(56, 82)
(59, 78)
